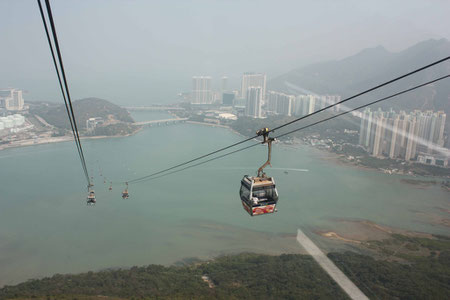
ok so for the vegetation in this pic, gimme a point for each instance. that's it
(245, 276)
(364, 159)
(248, 126)
(409, 268)
(84, 109)
(342, 136)
(114, 129)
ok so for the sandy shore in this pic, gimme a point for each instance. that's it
(361, 231)
(59, 139)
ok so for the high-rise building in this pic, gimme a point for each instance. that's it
(11, 99)
(253, 102)
(365, 117)
(223, 84)
(272, 100)
(253, 80)
(411, 139)
(280, 103)
(285, 104)
(227, 99)
(201, 90)
(438, 134)
(401, 135)
(327, 100)
(378, 138)
(297, 106)
(312, 104)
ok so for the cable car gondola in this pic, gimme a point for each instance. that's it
(125, 194)
(91, 197)
(258, 194)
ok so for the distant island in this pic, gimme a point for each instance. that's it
(95, 117)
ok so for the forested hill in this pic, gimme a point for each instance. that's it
(84, 109)
(373, 66)
(406, 267)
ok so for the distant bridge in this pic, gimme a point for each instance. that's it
(160, 122)
(154, 108)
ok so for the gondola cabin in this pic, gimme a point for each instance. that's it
(125, 194)
(259, 195)
(91, 198)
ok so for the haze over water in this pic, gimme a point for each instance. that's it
(46, 227)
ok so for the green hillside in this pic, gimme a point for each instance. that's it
(84, 109)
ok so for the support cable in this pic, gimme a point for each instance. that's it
(67, 99)
(296, 120)
(301, 128)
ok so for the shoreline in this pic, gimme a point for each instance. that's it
(66, 138)
(59, 139)
(319, 153)
(338, 159)
(216, 125)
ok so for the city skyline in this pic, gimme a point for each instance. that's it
(214, 39)
(402, 135)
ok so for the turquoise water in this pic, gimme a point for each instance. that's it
(46, 227)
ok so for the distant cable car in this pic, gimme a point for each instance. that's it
(258, 194)
(125, 194)
(110, 186)
(91, 197)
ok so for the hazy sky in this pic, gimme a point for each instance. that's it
(147, 51)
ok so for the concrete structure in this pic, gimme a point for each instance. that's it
(201, 90)
(253, 80)
(12, 122)
(227, 116)
(11, 99)
(91, 123)
(285, 104)
(254, 102)
(227, 99)
(300, 105)
(401, 135)
(223, 84)
(280, 103)
(433, 160)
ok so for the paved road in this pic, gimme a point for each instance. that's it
(349, 287)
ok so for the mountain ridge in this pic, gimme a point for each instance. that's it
(372, 66)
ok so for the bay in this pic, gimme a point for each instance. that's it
(46, 227)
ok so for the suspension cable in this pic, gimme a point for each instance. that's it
(65, 92)
(364, 92)
(362, 106)
(301, 128)
(296, 120)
